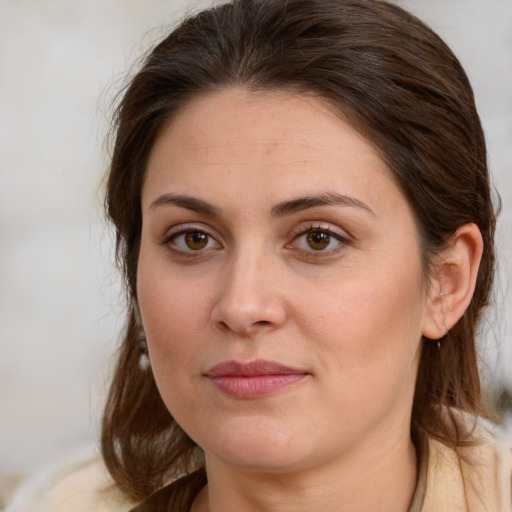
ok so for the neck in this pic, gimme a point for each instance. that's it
(378, 477)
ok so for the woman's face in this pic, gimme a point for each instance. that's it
(279, 282)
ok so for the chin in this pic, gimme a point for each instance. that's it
(261, 449)
(255, 460)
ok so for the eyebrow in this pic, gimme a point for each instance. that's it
(188, 202)
(327, 199)
(280, 210)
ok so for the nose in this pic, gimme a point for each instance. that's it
(250, 299)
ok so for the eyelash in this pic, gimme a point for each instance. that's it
(324, 230)
(170, 241)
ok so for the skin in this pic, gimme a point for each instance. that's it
(350, 315)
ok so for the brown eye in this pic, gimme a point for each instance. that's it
(196, 240)
(192, 240)
(318, 239)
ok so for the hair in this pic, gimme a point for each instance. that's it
(394, 80)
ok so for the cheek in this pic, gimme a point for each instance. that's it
(176, 312)
(165, 304)
(171, 337)
(367, 324)
(380, 305)
(173, 315)
(369, 351)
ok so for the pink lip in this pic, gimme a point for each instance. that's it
(255, 379)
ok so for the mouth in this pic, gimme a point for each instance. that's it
(255, 379)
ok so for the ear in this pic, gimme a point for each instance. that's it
(453, 281)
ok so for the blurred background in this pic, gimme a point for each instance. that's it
(61, 304)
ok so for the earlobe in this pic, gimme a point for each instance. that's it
(453, 281)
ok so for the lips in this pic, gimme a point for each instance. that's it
(255, 379)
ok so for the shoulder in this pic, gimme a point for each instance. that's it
(476, 477)
(82, 485)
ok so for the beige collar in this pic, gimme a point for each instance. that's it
(470, 479)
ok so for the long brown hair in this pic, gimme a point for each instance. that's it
(396, 82)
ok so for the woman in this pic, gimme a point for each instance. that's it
(305, 226)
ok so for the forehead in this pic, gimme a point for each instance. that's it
(254, 122)
(237, 134)
(264, 146)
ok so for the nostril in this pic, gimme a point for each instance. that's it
(223, 325)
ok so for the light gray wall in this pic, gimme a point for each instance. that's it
(61, 62)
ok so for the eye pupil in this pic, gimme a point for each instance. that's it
(196, 240)
(318, 240)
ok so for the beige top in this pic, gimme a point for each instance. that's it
(445, 484)
(470, 479)
(83, 486)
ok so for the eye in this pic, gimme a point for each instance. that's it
(318, 239)
(192, 240)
